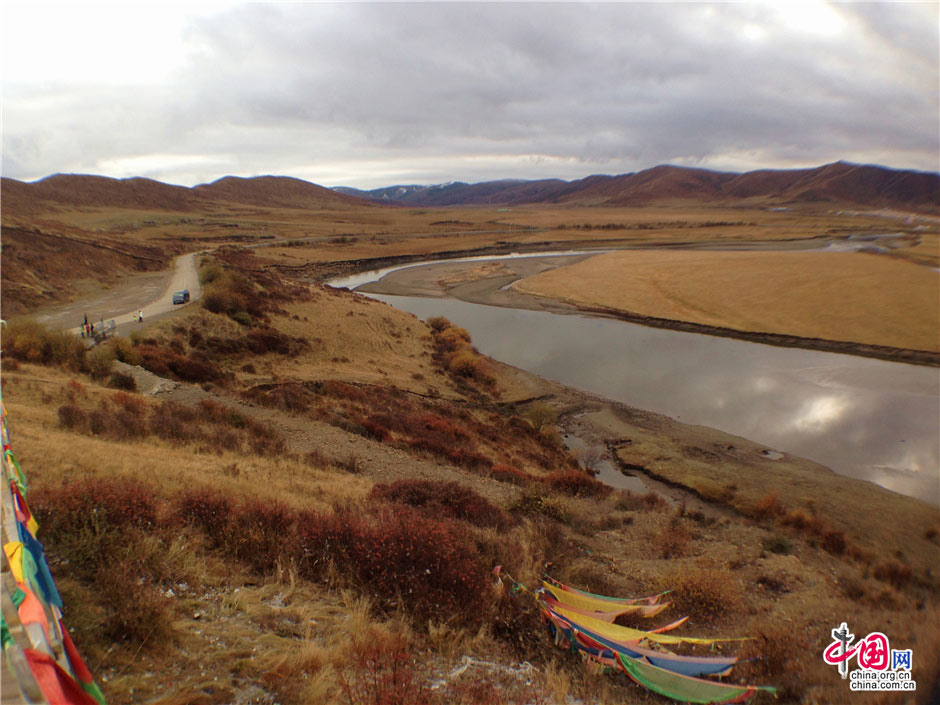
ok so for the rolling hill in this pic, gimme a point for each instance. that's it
(83, 191)
(839, 183)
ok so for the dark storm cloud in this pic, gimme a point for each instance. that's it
(371, 94)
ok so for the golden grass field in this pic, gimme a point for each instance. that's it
(854, 297)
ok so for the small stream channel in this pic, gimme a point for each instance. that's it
(865, 418)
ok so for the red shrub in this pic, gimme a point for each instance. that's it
(167, 362)
(833, 541)
(443, 500)
(95, 504)
(72, 417)
(431, 567)
(893, 572)
(130, 402)
(172, 422)
(514, 476)
(208, 510)
(577, 483)
(438, 425)
(375, 430)
(382, 671)
(260, 533)
(341, 390)
(468, 458)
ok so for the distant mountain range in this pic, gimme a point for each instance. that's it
(839, 184)
(77, 190)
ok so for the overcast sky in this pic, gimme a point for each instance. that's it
(376, 94)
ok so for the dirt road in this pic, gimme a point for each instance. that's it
(151, 293)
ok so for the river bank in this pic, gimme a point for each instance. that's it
(474, 283)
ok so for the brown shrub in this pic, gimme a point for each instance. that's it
(341, 390)
(778, 651)
(535, 504)
(673, 540)
(769, 507)
(29, 341)
(514, 476)
(375, 430)
(86, 519)
(121, 380)
(704, 591)
(262, 534)
(399, 557)
(137, 611)
(630, 501)
(73, 417)
(577, 483)
(893, 572)
(833, 541)
(381, 671)
(439, 323)
(451, 339)
(441, 500)
(208, 510)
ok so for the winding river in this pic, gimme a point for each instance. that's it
(865, 418)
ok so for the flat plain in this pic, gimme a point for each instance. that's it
(848, 296)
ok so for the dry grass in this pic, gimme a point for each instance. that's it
(837, 296)
(240, 635)
(33, 394)
(357, 339)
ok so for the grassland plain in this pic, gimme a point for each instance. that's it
(102, 243)
(856, 297)
(263, 561)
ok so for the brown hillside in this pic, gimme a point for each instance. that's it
(849, 184)
(764, 182)
(866, 185)
(275, 192)
(43, 268)
(661, 183)
(83, 190)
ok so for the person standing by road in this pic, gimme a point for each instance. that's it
(140, 316)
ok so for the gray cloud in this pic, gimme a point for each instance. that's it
(374, 94)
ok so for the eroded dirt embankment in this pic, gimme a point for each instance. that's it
(43, 269)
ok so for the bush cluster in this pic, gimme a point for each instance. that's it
(577, 483)
(455, 353)
(99, 526)
(391, 416)
(381, 671)
(536, 504)
(234, 285)
(214, 426)
(893, 572)
(398, 555)
(30, 341)
(704, 591)
(512, 475)
(438, 499)
(167, 362)
(673, 540)
(630, 501)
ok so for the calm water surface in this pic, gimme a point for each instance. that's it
(870, 419)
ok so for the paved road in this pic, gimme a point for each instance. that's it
(151, 293)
